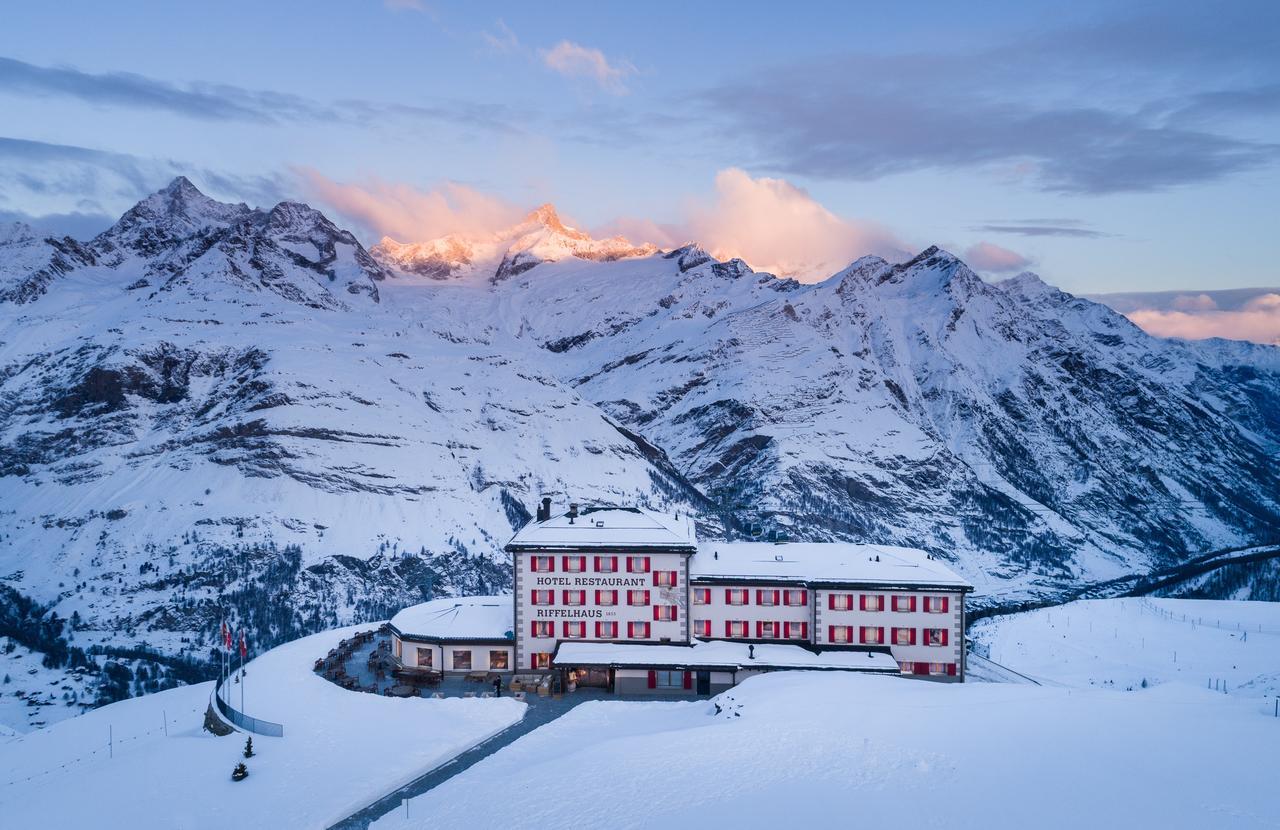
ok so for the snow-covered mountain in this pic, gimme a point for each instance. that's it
(540, 238)
(215, 409)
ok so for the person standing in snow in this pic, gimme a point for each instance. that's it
(497, 687)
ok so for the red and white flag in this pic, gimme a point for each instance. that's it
(226, 636)
(244, 648)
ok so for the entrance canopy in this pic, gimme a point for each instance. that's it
(720, 655)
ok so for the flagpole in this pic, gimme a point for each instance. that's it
(242, 650)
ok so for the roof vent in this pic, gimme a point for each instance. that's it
(599, 522)
(573, 512)
(877, 557)
(777, 557)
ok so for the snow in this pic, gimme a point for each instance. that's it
(482, 618)
(609, 527)
(721, 654)
(341, 751)
(822, 561)
(795, 749)
(1120, 643)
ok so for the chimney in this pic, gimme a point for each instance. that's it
(573, 512)
(544, 512)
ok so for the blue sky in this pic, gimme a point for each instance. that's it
(1106, 147)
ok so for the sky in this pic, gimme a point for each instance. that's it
(1106, 146)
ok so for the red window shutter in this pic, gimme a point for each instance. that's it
(945, 603)
(598, 592)
(655, 611)
(831, 634)
(913, 636)
(804, 631)
(533, 629)
(945, 632)
(564, 563)
(862, 602)
(922, 668)
(688, 680)
(653, 679)
(893, 603)
(880, 635)
(759, 597)
(862, 633)
(951, 669)
(831, 602)
(759, 629)
(776, 601)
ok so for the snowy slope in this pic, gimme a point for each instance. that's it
(341, 750)
(1121, 643)
(215, 410)
(801, 749)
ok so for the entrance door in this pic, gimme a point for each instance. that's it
(704, 682)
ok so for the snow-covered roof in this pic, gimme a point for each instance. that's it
(457, 618)
(608, 527)
(720, 654)
(821, 562)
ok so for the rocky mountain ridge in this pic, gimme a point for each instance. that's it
(216, 410)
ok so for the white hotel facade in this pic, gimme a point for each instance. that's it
(628, 599)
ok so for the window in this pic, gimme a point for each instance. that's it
(935, 636)
(840, 602)
(735, 628)
(637, 597)
(606, 597)
(766, 630)
(425, 657)
(399, 647)
(796, 597)
(638, 630)
(935, 605)
(937, 668)
(638, 564)
(606, 630)
(736, 596)
(540, 660)
(575, 630)
(606, 564)
(872, 602)
(664, 613)
(544, 597)
(904, 636)
(840, 633)
(544, 628)
(669, 679)
(797, 631)
(575, 597)
(499, 659)
(664, 579)
(702, 628)
(701, 596)
(906, 667)
(766, 596)
(543, 564)
(462, 660)
(904, 603)
(872, 635)
(575, 564)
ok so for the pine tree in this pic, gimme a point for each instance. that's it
(248, 747)
(240, 773)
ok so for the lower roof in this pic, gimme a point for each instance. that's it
(820, 563)
(457, 619)
(720, 655)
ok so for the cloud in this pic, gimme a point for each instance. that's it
(1085, 110)
(75, 224)
(1194, 302)
(503, 40)
(778, 227)
(575, 61)
(74, 186)
(1258, 320)
(409, 214)
(223, 102)
(986, 256)
(1042, 227)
